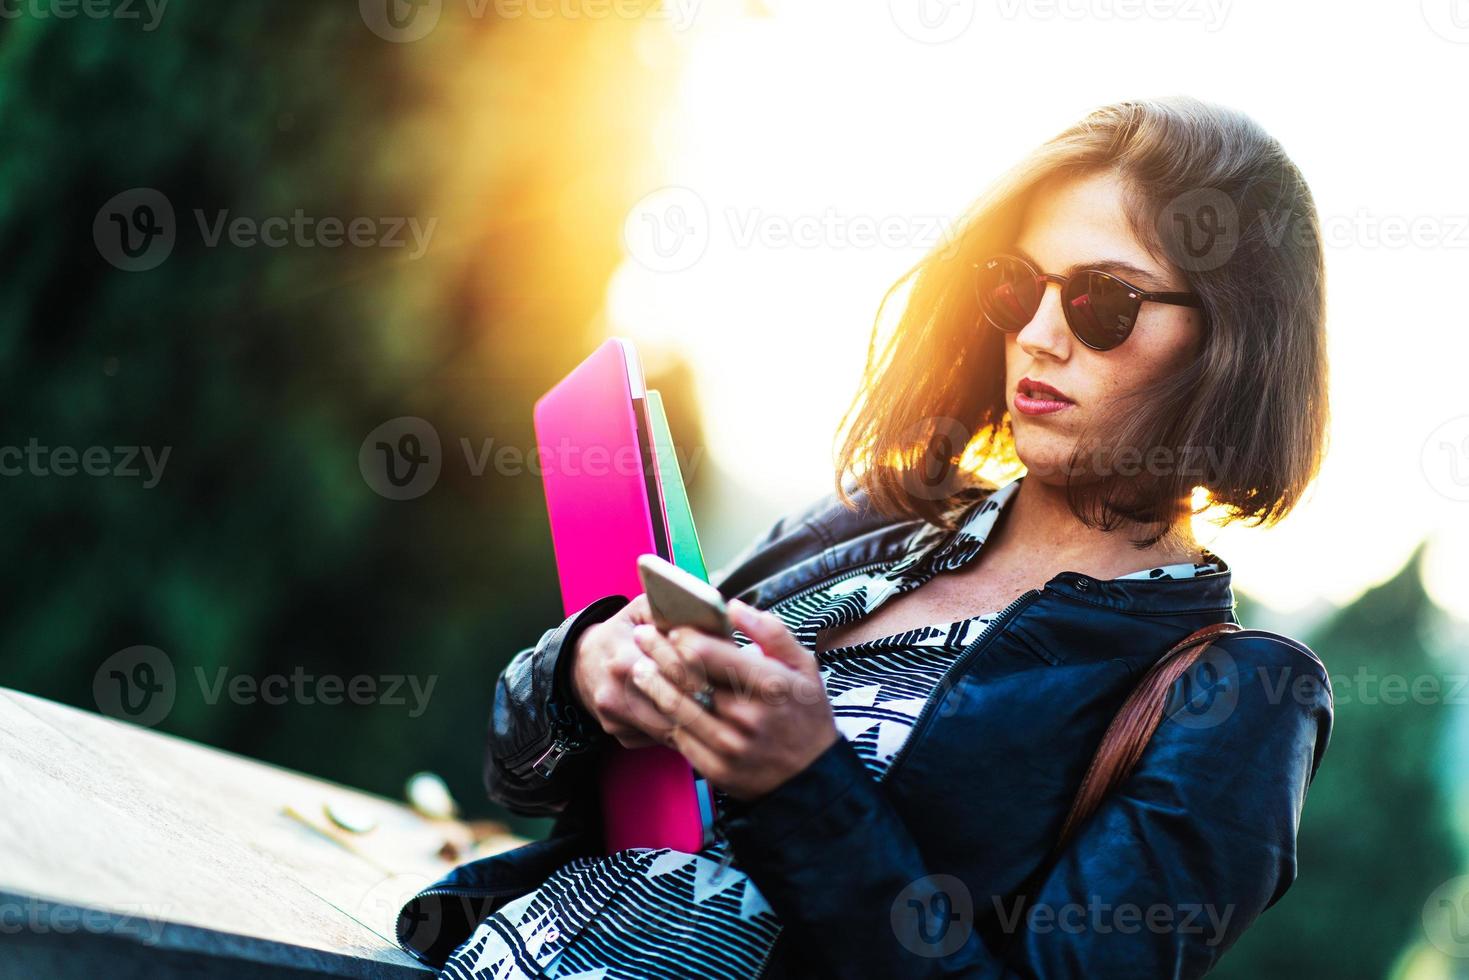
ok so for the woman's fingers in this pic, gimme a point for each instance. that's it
(638, 611)
(680, 709)
(752, 678)
(620, 707)
(685, 672)
(724, 662)
(770, 633)
(712, 765)
(736, 708)
(629, 715)
(642, 714)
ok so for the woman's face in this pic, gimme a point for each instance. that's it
(1078, 224)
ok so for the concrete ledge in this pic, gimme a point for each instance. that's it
(125, 852)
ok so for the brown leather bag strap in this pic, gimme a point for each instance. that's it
(1126, 738)
(1134, 724)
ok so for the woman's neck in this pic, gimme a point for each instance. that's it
(1038, 521)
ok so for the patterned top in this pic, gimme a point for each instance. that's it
(658, 913)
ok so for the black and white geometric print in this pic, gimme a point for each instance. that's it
(657, 913)
(637, 913)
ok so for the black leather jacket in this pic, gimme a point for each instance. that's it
(913, 876)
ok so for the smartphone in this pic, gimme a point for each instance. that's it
(677, 598)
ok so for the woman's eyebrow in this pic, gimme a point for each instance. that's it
(1136, 275)
(1123, 270)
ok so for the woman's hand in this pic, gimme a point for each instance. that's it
(770, 717)
(601, 679)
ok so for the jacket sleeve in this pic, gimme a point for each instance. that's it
(542, 746)
(1172, 867)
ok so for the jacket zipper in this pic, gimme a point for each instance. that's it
(561, 739)
(545, 757)
(960, 663)
(545, 764)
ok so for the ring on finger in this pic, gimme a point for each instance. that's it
(704, 697)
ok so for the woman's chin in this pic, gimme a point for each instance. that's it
(1047, 464)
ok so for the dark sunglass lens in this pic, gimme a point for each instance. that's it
(1100, 309)
(1009, 293)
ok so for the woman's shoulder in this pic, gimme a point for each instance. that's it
(1266, 683)
(1258, 650)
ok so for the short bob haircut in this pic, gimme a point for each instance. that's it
(1214, 197)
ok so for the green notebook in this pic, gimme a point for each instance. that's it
(683, 539)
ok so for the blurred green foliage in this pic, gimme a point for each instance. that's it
(1376, 837)
(262, 550)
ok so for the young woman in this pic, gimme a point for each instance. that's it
(1134, 313)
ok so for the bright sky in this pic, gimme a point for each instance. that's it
(812, 153)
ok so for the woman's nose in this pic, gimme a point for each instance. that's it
(1047, 333)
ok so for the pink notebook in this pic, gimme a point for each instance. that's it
(599, 471)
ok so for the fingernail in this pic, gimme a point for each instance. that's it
(642, 670)
(642, 634)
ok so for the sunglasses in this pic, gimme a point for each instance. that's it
(1100, 308)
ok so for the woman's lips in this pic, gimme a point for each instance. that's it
(1038, 398)
(1038, 406)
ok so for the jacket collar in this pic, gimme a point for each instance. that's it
(978, 509)
(832, 538)
(1203, 592)
(1209, 592)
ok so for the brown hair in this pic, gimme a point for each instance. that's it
(1211, 194)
